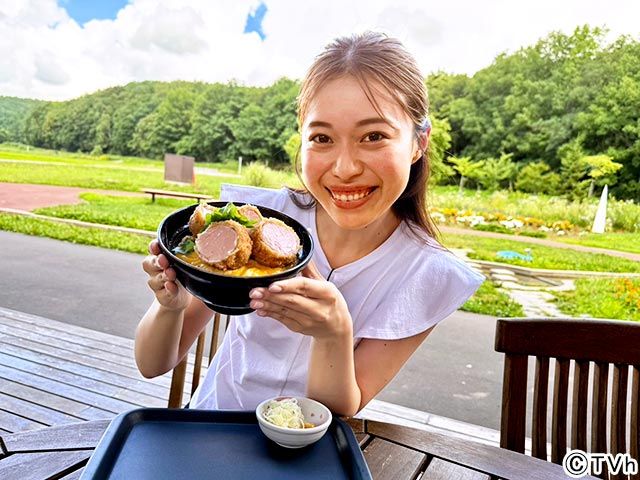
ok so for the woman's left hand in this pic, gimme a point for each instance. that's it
(306, 304)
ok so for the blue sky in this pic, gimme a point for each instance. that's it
(84, 10)
(61, 49)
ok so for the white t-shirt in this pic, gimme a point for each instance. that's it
(400, 289)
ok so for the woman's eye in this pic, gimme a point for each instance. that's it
(320, 139)
(374, 137)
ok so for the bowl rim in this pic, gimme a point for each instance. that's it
(295, 431)
(276, 276)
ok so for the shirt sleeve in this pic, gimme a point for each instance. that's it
(429, 291)
(264, 197)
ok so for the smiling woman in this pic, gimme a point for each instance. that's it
(379, 281)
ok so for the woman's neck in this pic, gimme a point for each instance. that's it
(342, 246)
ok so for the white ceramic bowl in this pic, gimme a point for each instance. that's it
(314, 412)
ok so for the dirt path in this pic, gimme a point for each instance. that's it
(22, 196)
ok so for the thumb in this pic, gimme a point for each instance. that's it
(311, 271)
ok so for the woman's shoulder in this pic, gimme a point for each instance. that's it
(232, 192)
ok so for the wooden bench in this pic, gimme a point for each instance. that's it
(168, 193)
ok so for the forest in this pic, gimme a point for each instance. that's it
(558, 117)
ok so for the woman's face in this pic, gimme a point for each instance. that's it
(354, 162)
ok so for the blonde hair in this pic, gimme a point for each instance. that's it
(373, 58)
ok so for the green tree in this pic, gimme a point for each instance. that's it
(537, 177)
(495, 171)
(466, 168)
(601, 169)
(439, 145)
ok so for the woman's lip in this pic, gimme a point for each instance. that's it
(350, 204)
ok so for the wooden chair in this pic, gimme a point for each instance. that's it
(579, 342)
(180, 371)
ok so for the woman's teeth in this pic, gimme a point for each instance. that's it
(351, 196)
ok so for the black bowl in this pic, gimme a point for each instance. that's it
(224, 294)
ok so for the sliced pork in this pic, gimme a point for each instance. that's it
(251, 212)
(225, 245)
(199, 217)
(275, 244)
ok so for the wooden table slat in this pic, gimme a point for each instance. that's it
(137, 385)
(497, 462)
(35, 412)
(96, 386)
(127, 371)
(15, 423)
(75, 475)
(439, 469)
(36, 466)
(388, 460)
(83, 435)
(81, 395)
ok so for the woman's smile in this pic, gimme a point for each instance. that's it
(348, 198)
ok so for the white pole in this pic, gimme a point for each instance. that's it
(601, 214)
(240, 165)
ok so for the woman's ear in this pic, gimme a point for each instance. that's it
(422, 142)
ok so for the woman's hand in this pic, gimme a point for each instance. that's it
(305, 304)
(162, 280)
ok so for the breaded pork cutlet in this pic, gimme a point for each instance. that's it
(225, 245)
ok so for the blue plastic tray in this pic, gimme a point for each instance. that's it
(157, 443)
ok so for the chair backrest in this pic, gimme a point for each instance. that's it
(179, 372)
(580, 342)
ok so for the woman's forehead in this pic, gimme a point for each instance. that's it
(346, 100)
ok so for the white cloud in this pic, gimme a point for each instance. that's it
(46, 54)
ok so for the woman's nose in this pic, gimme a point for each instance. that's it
(347, 165)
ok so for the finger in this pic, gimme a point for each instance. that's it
(304, 286)
(171, 275)
(291, 301)
(156, 282)
(287, 321)
(150, 265)
(162, 262)
(311, 271)
(172, 288)
(154, 248)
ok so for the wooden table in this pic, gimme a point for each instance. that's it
(391, 451)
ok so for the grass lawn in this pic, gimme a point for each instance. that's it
(543, 257)
(488, 300)
(626, 242)
(103, 178)
(127, 242)
(602, 298)
(132, 212)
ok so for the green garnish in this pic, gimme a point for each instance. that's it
(228, 212)
(186, 245)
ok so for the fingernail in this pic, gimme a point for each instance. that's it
(256, 305)
(255, 293)
(275, 288)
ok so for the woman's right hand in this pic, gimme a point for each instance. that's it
(162, 280)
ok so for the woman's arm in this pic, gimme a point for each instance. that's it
(340, 378)
(164, 336)
(378, 361)
(173, 321)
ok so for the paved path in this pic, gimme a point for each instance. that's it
(539, 241)
(22, 196)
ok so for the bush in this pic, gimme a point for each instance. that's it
(537, 178)
(492, 227)
(258, 174)
(526, 233)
